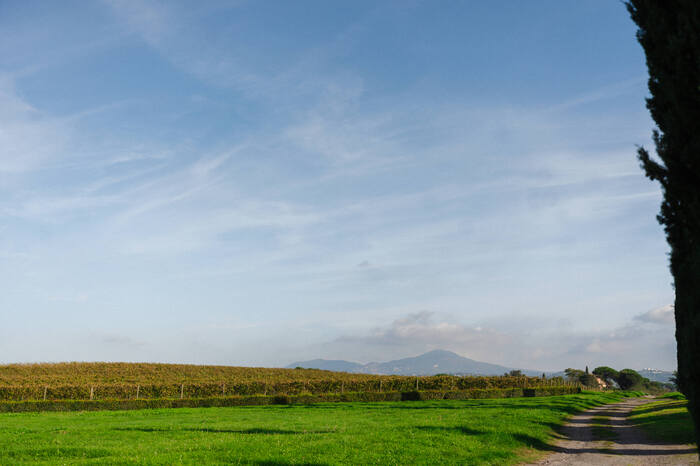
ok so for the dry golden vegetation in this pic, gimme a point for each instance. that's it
(85, 381)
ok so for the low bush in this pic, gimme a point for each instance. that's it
(256, 400)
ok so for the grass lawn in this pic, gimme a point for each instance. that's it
(502, 431)
(667, 420)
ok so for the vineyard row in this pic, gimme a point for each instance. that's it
(223, 389)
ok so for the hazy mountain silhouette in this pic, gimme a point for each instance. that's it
(337, 365)
(433, 362)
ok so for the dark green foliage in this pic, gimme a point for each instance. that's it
(674, 380)
(669, 32)
(573, 374)
(606, 373)
(629, 379)
(582, 377)
(364, 383)
(588, 380)
(626, 379)
(258, 400)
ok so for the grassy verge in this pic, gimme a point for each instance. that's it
(667, 420)
(493, 431)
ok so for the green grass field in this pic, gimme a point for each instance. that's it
(667, 420)
(502, 431)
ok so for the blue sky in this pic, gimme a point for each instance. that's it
(254, 183)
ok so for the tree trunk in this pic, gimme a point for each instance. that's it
(687, 281)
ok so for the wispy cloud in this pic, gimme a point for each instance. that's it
(607, 92)
(28, 139)
(325, 175)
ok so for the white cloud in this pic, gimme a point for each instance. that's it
(531, 346)
(661, 315)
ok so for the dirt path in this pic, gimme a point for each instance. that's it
(627, 445)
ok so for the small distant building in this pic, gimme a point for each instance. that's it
(602, 384)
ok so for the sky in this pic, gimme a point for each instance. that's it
(256, 183)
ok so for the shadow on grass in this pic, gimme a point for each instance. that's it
(568, 408)
(459, 429)
(577, 432)
(285, 463)
(256, 430)
(669, 427)
(55, 452)
(651, 409)
(538, 444)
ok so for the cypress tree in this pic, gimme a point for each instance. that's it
(669, 32)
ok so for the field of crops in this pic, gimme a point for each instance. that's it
(88, 381)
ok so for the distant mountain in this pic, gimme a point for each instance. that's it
(431, 363)
(336, 365)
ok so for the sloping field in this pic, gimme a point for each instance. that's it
(124, 372)
(88, 381)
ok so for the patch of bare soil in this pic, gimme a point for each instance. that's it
(627, 445)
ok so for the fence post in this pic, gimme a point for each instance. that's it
(138, 388)
(92, 392)
(182, 390)
(45, 389)
(380, 385)
(416, 383)
(223, 389)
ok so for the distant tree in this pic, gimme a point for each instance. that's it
(582, 377)
(655, 388)
(628, 379)
(515, 373)
(589, 380)
(586, 370)
(608, 374)
(674, 380)
(574, 375)
(669, 32)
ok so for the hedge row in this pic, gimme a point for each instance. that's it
(223, 389)
(261, 400)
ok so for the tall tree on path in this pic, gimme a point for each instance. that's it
(669, 32)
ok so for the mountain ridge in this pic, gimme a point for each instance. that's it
(430, 363)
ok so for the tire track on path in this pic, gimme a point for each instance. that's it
(628, 445)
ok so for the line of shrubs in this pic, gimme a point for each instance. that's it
(261, 400)
(626, 379)
(223, 389)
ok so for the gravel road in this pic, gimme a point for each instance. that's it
(628, 446)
